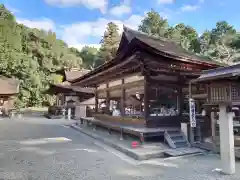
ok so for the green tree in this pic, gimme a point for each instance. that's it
(184, 35)
(109, 43)
(30, 55)
(153, 24)
(221, 43)
(90, 57)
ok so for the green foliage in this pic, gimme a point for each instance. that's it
(153, 24)
(90, 59)
(222, 43)
(109, 43)
(31, 55)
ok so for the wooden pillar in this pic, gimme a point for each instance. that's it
(57, 100)
(180, 94)
(146, 97)
(64, 100)
(96, 101)
(107, 99)
(123, 96)
(180, 99)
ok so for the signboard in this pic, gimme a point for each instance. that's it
(192, 113)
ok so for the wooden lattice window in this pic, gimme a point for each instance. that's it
(219, 93)
(235, 92)
(224, 92)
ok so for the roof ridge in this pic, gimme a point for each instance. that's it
(169, 41)
(127, 29)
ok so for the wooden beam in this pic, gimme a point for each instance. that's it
(107, 99)
(114, 76)
(120, 86)
(96, 101)
(155, 72)
(163, 83)
(180, 95)
(146, 98)
(123, 98)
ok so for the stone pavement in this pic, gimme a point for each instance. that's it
(48, 149)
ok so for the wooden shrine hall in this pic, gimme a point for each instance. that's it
(65, 91)
(8, 93)
(146, 84)
(68, 96)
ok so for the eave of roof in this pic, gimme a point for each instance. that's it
(67, 87)
(70, 74)
(166, 47)
(219, 73)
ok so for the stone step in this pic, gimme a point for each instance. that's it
(175, 133)
(183, 151)
(180, 141)
(176, 139)
(181, 144)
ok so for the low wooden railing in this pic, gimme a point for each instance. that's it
(121, 120)
(163, 121)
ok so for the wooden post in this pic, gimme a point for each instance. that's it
(146, 98)
(180, 100)
(123, 99)
(96, 101)
(107, 99)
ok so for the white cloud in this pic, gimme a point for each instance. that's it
(120, 10)
(188, 8)
(91, 4)
(133, 21)
(12, 9)
(45, 24)
(82, 33)
(166, 1)
(78, 34)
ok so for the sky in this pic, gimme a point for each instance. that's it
(83, 22)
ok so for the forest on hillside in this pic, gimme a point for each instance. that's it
(31, 55)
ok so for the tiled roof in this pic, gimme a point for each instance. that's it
(71, 75)
(165, 46)
(67, 87)
(220, 73)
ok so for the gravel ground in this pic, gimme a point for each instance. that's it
(27, 153)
